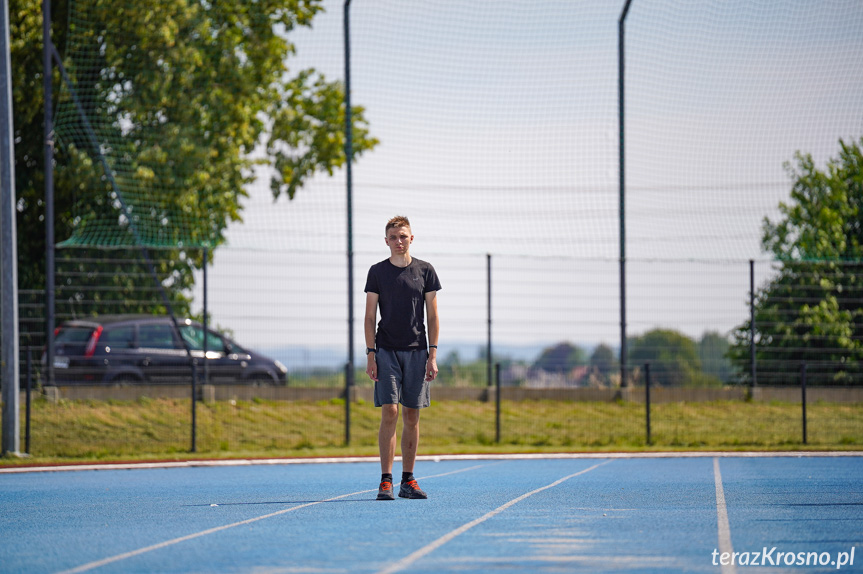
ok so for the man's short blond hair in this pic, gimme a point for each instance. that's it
(397, 221)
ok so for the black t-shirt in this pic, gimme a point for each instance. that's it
(401, 298)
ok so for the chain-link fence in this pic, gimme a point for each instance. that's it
(554, 380)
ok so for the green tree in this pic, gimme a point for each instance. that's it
(810, 311)
(673, 357)
(604, 360)
(561, 358)
(190, 90)
(713, 353)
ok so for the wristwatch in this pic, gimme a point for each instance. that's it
(370, 350)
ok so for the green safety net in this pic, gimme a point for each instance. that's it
(498, 117)
(160, 111)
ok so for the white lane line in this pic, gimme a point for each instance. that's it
(474, 467)
(435, 458)
(125, 555)
(722, 521)
(411, 558)
(139, 551)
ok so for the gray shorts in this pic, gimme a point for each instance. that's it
(401, 378)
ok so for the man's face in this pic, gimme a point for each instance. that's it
(399, 239)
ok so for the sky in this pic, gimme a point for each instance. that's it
(498, 124)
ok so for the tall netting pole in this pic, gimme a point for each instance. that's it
(9, 377)
(349, 372)
(622, 200)
(47, 68)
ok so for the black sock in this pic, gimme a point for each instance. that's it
(387, 478)
(407, 476)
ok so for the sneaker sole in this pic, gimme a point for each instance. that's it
(386, 495)
(411, 496)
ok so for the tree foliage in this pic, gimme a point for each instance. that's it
(824, 219)
(713, 353)
(604, 360)
(811, 310)
(673, 357)
(561, 358)
(211, 85)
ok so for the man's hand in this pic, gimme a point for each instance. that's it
(431, 369)
(372, 367)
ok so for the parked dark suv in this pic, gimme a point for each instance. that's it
(146, 348)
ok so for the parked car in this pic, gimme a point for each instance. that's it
(123, 349)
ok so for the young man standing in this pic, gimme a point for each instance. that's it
(401, 360)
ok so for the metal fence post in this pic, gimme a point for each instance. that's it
(647, 398)
(28, 400)
(206, 317)
(348, 367)
(803, 397)
(488, 315)
(194, 445)
(752, 369)
(497, 402)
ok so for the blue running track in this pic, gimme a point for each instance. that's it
(578, 514)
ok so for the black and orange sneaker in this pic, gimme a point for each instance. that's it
(411, 489)
(385, 491)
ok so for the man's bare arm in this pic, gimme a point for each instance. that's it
(371, 316)
(433, 334)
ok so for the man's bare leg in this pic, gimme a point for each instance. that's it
(410, 438)
(387, 437)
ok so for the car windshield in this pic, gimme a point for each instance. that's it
(194, 336)
(74, 335)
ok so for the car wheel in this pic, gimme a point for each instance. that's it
(261, 380)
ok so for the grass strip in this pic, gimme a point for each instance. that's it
(149, 429)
